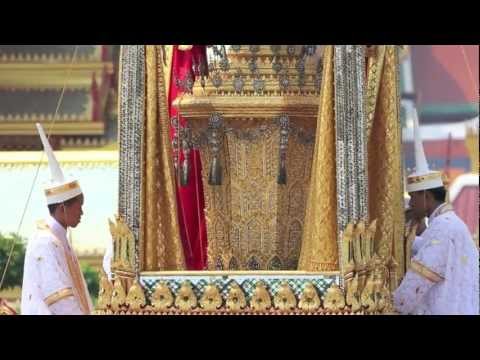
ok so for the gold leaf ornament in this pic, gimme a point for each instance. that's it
(186, 299)
(162, 297)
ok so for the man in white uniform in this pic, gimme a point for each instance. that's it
(53, 283)
(443, 277)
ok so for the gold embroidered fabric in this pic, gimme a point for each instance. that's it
(161, 238)
(385, 176)
(319, 250)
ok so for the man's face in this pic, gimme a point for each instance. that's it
(417, 204)
(74, 212)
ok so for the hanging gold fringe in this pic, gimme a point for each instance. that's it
(319, 250)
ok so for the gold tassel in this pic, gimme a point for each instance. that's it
(215, 176)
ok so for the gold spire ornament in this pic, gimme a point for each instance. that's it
(118, 295)
(105, 292)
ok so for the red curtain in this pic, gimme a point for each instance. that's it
(190, 199)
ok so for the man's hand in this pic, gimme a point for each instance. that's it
(421, 226)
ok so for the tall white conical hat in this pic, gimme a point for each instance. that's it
(423, 178)
(59, 189)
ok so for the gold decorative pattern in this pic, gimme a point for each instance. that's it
(285, 299)
(319, 250)
(105, 292)
(236, 298)
(211, 299)
(420, 178)
(62, 188)
(261, 300)
(376, 299)
(352, 297)
(472, 145)
(424, 271)
(123, 246)
(253, 222)
(135, 298)
(309, 300)
(375, 69)
(186, 299)
(58, 295)
(162, 297)
(118, 295)
(160, 232)
(334, 298)
(386, 202)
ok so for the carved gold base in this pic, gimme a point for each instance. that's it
(150, 311)
(114, 300)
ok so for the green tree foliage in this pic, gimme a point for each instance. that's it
(14, 274)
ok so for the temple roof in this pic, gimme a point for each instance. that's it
(31, 104)
(446, 81)
(50, 52)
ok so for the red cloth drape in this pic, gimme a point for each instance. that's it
(190, 199)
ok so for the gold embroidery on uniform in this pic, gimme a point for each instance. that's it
(424, 271)
(58, 295)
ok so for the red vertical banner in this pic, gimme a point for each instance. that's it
(190, 198)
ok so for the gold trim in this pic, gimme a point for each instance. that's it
(245, 107)
(75, 273)
(235, 273)
(62, 188)
(58, 295)
(51, 76)
(420, 178)
(424, 271)
(22, 158)
(60, 128)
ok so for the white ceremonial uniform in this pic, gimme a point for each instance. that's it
(443, 278)
(52, 281)
(107, 260)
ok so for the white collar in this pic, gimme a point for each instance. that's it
(444, 207)
(57, 228)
